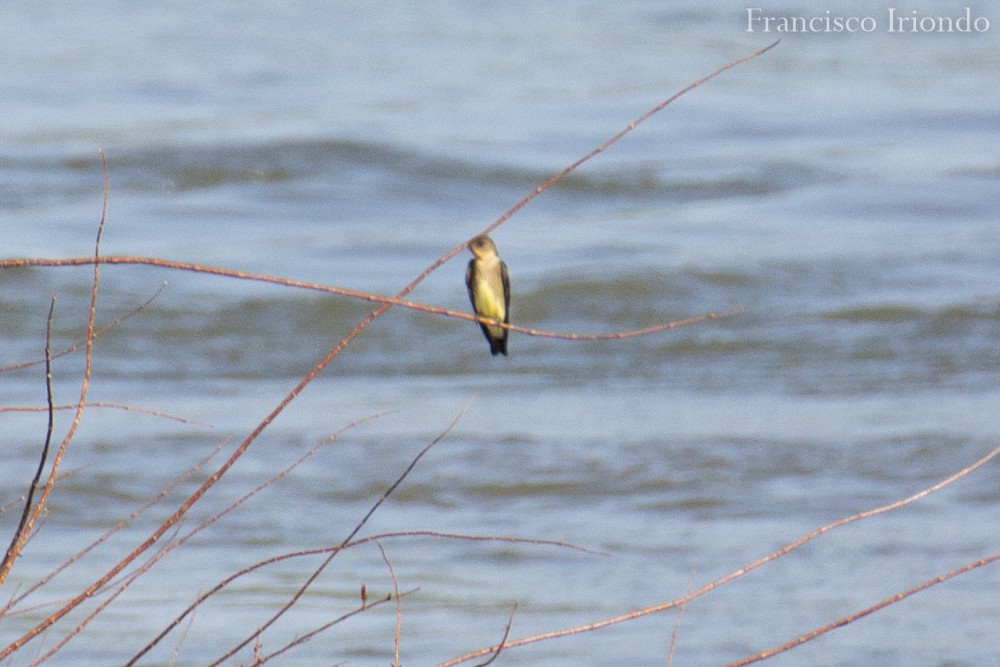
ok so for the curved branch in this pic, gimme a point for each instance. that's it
(386, 301)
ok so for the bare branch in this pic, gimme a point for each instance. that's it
(677, 627)
(115, 406)
(21, 533)
(841, 622)
(506, 633)
(732, 575)
(399, 606)
(171, 522)
(166, 491)
(319, 570)
(386, 301)
(26, 525)
(326, 626)
(97, 332)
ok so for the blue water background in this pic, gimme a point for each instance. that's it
(841, 191)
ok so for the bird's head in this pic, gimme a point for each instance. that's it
(482, 247)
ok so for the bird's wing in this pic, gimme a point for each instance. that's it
(506, 292)
(469, 277)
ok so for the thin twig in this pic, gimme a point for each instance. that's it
(677, 626)
(840, 622)
(326, 626)
(179, 542)
(114, 406)
(231, 507)
(84, 386)
(399, 605)
(319, 570)
(180, 642)
(117, 527)
(732, 575)
(97, 332)
(26, 526)
(340, 547)
(573, 167)
(506, 633)
(21, 534)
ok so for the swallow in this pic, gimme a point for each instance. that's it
(489, 290)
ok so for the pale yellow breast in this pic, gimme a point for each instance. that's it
(489, 291)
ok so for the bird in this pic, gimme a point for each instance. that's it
(489, 290)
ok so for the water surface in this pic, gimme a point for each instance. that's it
(841, 191)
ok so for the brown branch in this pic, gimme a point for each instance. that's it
(677, 627)
(231, 507)
(573, 167)
(840, 622)
(616, 335)
(386, 301)
(26, 526)
(732, 575)
(114, 529)
(89, 617)
(103, 404)
(179, 542)
(340, 547)
(305, 381)
(322, 566)
(326, 626)
(170, 521)
(399, 605)
(84, 386)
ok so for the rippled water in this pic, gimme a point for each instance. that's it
(840, 192)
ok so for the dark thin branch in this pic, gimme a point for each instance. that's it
(84, 387)
(319, 570)
(21, 534)
(503, 640)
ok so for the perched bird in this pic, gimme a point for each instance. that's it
(489, 290)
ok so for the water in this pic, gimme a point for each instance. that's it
(841, 190)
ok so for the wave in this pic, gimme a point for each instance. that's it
(357, 163)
